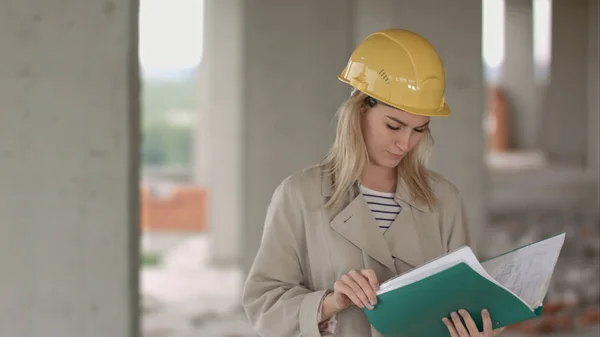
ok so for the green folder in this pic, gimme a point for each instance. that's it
(458, 281)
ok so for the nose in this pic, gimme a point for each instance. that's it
(403, 139)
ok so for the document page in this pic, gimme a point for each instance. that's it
(463, 254)
(527, 271)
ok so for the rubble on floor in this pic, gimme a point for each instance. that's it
(573, 299)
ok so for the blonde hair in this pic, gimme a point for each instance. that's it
(348, 156)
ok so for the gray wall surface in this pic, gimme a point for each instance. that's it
(68, 180)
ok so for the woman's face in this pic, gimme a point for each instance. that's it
(391, 133)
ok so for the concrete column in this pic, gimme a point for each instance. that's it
(456, 34)
(274, 96)
(593, 160)
(222, 79)
(565, 115)
(518, 74)
(69, 143)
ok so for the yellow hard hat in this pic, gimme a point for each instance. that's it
(399, 68)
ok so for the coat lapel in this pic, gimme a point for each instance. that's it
(403, 240)
(404, 237)
(356, 223)
(407, 237)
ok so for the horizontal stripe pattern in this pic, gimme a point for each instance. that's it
(383, 206)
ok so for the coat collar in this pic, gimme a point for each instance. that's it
(354, 221)
(402, 193)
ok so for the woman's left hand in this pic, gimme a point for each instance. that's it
(457, 329)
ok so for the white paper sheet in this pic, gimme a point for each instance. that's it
(463, 254)
(527, 271)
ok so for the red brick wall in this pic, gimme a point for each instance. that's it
(182, 210)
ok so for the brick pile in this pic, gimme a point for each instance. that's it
(172, 207)
(573, 299)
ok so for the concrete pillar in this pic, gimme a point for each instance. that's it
(456, 34)
(274, 94)
(221, 106)
(565, 115)
(69, 143)
(593, 160)
(518, 74)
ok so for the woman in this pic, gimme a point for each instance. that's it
(370, 211)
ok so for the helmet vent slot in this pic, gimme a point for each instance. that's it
(384, 76)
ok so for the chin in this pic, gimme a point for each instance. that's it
(389, 163)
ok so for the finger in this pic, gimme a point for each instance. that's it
(372, 277)
(460, 328)
(356, 288)
(487, 323)
(498, 331)
(469, 322)
(450, 326)
(366, 287)
(345, 289)
(349, 280)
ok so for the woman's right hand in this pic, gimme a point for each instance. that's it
(357, 287)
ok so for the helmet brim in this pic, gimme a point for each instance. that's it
(444, 111)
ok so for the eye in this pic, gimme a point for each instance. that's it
(421, 130)
(392, 127)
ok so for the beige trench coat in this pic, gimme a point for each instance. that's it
(305, 248)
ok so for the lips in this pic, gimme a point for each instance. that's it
(394, 155)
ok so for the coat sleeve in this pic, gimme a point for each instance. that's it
(275, 299)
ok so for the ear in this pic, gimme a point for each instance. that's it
(371, 102)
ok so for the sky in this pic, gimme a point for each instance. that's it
(170, 34)
(542, 32)
(493, 32)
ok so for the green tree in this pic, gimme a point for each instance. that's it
(167, 144)
(164, 143)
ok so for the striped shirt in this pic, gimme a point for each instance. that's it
(383, 206)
